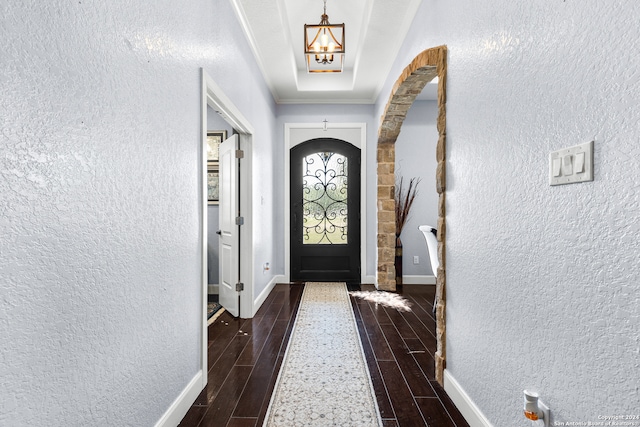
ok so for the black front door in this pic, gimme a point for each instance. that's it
(325, 211)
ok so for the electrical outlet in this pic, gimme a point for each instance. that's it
(546, 422)
(416, 259)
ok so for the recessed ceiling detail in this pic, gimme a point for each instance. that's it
(376, 30)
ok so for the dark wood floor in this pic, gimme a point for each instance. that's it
(245, 356)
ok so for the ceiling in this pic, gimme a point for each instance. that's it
(374, 31)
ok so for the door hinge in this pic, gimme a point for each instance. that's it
(239, 287)
(240, 220)
(239, 154)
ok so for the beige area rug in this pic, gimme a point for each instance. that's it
(324, 379)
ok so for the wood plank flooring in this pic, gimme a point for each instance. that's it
(245, 357)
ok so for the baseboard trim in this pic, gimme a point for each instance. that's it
(213, 289)
(257, 303)
(368, 280)
(418, 280)
(463, 402)
(182, 404)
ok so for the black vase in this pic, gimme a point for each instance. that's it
(398, 262)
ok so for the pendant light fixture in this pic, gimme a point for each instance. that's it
(324, 45)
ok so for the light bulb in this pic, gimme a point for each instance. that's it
(324, 40)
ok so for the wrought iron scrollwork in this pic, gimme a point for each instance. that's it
(324, 199)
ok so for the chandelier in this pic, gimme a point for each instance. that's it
(324, 45)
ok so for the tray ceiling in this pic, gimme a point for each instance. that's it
(374, 31)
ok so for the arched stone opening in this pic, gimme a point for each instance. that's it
(424, 68)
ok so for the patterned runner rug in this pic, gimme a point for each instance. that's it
(324, 379)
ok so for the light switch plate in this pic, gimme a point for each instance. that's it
(570, 154)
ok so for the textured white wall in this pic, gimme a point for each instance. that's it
(416, 157)
(543, 284)
(99, 201)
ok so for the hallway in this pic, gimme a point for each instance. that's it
(245, 356)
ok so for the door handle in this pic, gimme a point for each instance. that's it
(219, 232)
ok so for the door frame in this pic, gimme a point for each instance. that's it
(213, 96)
(353, 133)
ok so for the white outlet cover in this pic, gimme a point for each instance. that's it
(545, 421)
(569, 155)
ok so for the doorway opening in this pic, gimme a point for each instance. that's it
(325, 211)
(214, 97)
(425, 67)
(354, 134)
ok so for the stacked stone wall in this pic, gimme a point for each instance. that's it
(424, 68)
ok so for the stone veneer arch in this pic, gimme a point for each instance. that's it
(424, 68)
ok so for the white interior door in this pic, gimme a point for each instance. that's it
(229, 231)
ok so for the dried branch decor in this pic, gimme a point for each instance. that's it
(404, 201)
